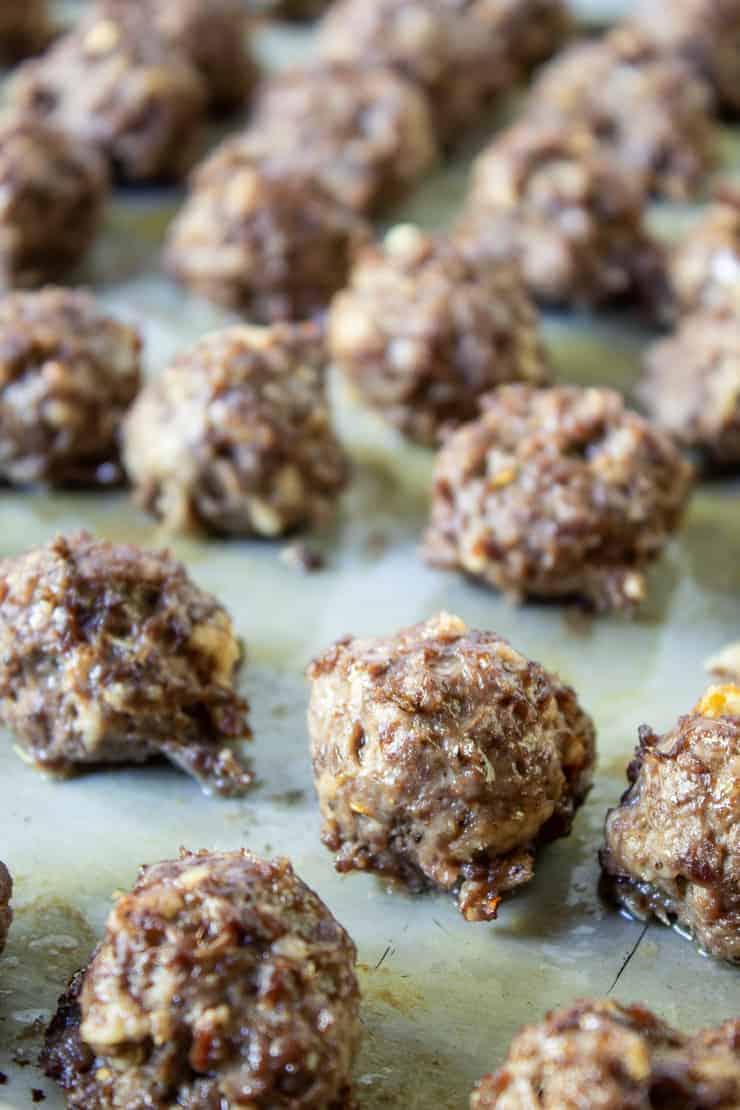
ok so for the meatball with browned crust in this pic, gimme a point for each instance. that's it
(6, 913)
(626, 1054)
(705, 264)
(68, 373)
(236, 438)
(425, 327)
(111, 654)
(442, 757)
(672, 846)
(222, 981)
(25, 28)
(557, 493)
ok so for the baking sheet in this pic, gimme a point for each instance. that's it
(441, 998)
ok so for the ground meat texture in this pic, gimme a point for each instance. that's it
(557, 493)
(424, 329)
(705, 266)
(443, 757)
(672, 846)
(691, 385)
(235, 437)
(551, 197)
(222, 980)
(53, 188)
(111, 654)
(633, 1059)
(262, 238)
(68, 372)
(25, 29)
(365, 133)
(6, 914)
(649, 108)
(116, 85)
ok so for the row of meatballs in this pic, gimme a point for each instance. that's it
(222, 980)
(442, 757)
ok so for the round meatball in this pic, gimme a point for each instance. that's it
(557, 493)
(53, 188)
(551, 197)
(68, 372)
(443, 757)
(115, 84)
(672, 846)
(25, 29)
(632, 1058)
(424, 328)
(365, 133)
(649, 108)
(705, 266)
(235, 437)
(110, 654)
(222, 980)
(6, 914)
(262, 238)
(691, 385)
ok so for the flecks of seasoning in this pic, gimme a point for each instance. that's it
(37, 1094)
(302, 556)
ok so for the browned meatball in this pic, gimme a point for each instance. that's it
(691, 385)
(443, 757)
(626, 1054)
(235, 437)
(672, 847)
(705, 267)
(25, 28)
(221, 981)
(68, 372)
(365, 133)
(425, 328)
(113, 83)
(553, 198)
(557, 493)
(53, 188)
(650, 108)
(111, 654)
(6, 913)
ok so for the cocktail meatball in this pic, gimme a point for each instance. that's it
(68, 372)
(261, 238)
(672, 847)
(553, 198)
(365, 133)
(625, 1053)
(24, 29)
(6, 914)
(222, 980)
(705, 266)
(235, 437)
(649, 108)
(557, 493)
(443, 757)
(111, 654)
(53, 188)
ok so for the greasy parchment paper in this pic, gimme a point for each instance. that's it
(441, 998)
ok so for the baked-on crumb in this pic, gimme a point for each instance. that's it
(625, 1053)
(671, 846)
(554, 199)
(235, 437)
(557, 493)
(25, 28)
(111, 654)
(705, 264)
(222, 980)
(6, 913)
(424, 328)
(53, 188)
(68, 373)
(442, 757)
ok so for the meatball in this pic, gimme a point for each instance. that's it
(672, 846)
(632, 1058)
(443, 757)
(235, 437)
(53, 187)
(113, 83)
(6, 914)
(649, 108)
(691, 385)
(553, 198)
(110, 654)
(705, 266)
(425, 328)
(557, 493)
(24, 29)
(222, 980)
(365, 133)
(68, 372)
(262, 238)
